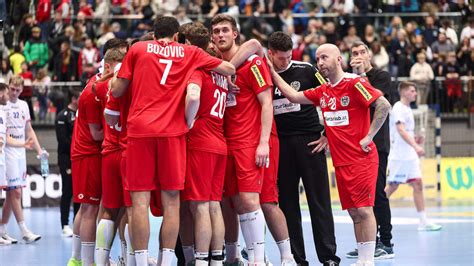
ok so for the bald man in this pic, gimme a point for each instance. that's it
(345, 102)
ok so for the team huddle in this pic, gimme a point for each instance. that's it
(191, 135)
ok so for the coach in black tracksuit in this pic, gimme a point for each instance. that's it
(297, 126)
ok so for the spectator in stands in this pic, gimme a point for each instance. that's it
(420, 46)
(400, 55)
(85, 8)
(430, 30)
(422, 74)
(26, 27)
(5, 73)
(65, 9)
(442, 46)
(449, 31)
(88, 55)
(332, 36)
(392, 6)
(412, 31)
(56, 27)
(409, 5)
(452, 83)
(106, 34)
(468, 32)
(16, 59)
(101, 8)
(370, 36)
(351, 36)
(41, 85)
(119, 7)
(43, 15)
(64, 64)
(85, 25)
(380, 58)
(181, 16)
(395, 25)
(36, 51)
(256, 26)
(27, 92)
(78, 38)
(463, 55)
(87, 73)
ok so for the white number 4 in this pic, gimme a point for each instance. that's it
(168, 64)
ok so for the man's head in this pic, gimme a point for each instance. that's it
(442, 37)
(197, 34)
(328, 59)
(360, 50)
(165, 27)
(407, 91)
(116, 43)
(4, 90)
(224, 32)
(280, 50)
(421, 58)
(111, 59)
(36, 32)
(73, 98)
(16, 87)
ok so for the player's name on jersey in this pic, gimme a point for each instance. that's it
(219, 80)
(166, 51)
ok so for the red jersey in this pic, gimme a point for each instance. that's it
(207, 133)
(346, 112)
(89, 112)
(120, 107)
(158, 73)
(242, 123)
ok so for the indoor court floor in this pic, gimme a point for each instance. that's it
(453, 245)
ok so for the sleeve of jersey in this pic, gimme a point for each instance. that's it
(112, 107)
(92, 110)
(366, 94)
(312, 95)
(206, 61)
(126, 69)
(27, 113)
(397, 114)
(196, 78)
(259, 75)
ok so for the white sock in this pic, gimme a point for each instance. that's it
(217, 255)
(87, 252)
(423, 219)
(246, 232)
(76, 247)
(188, 253)
(3, 229)
(123, 249)
(257, 230)
(167, 257)
(141, 257)
(232, 252)
(23, 227)
(285, 249)
(103, 241)
(366, 251)
(130, 251)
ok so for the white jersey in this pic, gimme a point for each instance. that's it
(17, 115)
(399, 148)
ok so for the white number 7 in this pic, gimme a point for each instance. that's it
(167, 69)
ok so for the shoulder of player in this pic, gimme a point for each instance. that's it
(301, 65)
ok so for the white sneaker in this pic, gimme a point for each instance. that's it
(429, 227)
(9, 238)
(152, 261)
(289, 262)
(4, 242)
(121, 261)
(365, 263)
(29, 237)
(67, 231)
(112, 262)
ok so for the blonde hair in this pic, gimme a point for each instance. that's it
(16, 81)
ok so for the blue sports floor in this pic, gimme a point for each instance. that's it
(453, 245)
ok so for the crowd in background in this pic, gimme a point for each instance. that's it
(61, 40)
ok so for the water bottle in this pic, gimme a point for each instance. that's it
(44, 163)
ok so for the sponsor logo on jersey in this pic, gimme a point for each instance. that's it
(320, 78)
(336, 119)
(295, 85)
(258, 62)
(258, 76)
(282, 106)
(345, 100)
(363, 91)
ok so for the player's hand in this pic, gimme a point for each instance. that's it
(262, 155)
(419, 150)
(365, 142)
(357, 65)
(29, 144)
(111, 120)
(321, 144)
(419, 139)
(231, 83)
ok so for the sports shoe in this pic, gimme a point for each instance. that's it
(429, 227)
(383, 252)
(67, 231)
(235, 263)
(29, 237)
(352, 254)
(152, 261)
(365, 263)
(9, 238)
(330, 263)
(4, 242)
(289, 262)
(121, 261)
(74, 262)
(245, 255)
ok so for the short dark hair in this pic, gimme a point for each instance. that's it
(197, 34)
(224, 18)
(405, 85)
(3, 86)
(280, 41)
(115, 43)
(165, 26)
(360, 43)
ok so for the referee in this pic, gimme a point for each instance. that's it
(301, 155)
(381, 80)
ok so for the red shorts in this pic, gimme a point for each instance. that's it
(242, 173)
(86, 180)
(153, 162)
(356, 184)
(112, 189)
(127, 200)
(204, 176)
(270, 175)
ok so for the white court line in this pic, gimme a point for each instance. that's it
(395, 220)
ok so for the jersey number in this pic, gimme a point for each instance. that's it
(16, 115)
(168, 64)
(219, 107)
(277, 91)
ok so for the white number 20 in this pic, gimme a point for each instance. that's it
(168, 64)
(219, 107)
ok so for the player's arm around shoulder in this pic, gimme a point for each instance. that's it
(291, 94)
